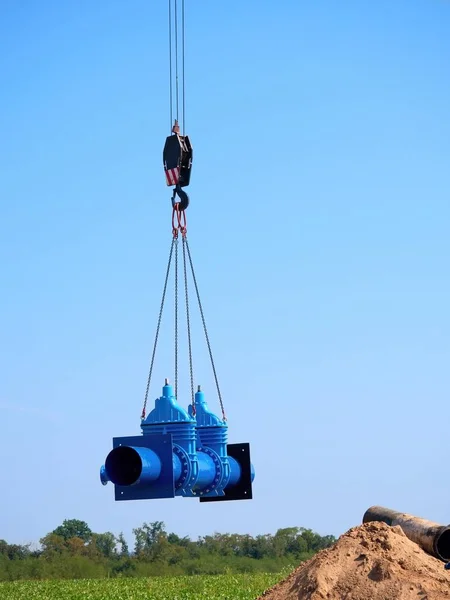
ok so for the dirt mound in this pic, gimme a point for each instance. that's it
(370, 562)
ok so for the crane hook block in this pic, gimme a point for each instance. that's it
(177, 160)
(179, 454)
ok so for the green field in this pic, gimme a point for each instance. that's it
(217, 587)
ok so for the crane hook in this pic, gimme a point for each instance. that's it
(184, 198)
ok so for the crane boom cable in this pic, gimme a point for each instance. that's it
(177, 88)
(170, 65)
(176, 61)
(182, 54)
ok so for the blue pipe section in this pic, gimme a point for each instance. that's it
(149, 469)
(235, 471)
(127, 465)
(206, 472)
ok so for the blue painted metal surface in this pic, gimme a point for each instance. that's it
(178, 454)
(141, 474)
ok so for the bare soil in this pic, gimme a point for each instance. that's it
(370, 562)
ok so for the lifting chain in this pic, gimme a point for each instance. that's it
(179, 226)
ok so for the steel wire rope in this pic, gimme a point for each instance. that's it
(170, 65)
(183, 63)
(176, 59)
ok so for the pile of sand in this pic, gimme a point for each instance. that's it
(370, 562)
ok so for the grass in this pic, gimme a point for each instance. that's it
(206, 587)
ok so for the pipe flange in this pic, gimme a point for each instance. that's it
(219, 469)
(185, 466)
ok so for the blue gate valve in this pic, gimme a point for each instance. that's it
(179, 454)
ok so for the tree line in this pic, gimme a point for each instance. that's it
(73, 551)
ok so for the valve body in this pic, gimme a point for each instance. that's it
(179, 454)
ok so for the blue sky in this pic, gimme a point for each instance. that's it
(318, 226)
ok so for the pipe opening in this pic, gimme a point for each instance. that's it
(443, 545)
(123, 465)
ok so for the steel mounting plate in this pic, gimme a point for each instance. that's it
(164, 486)
(243, 489)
